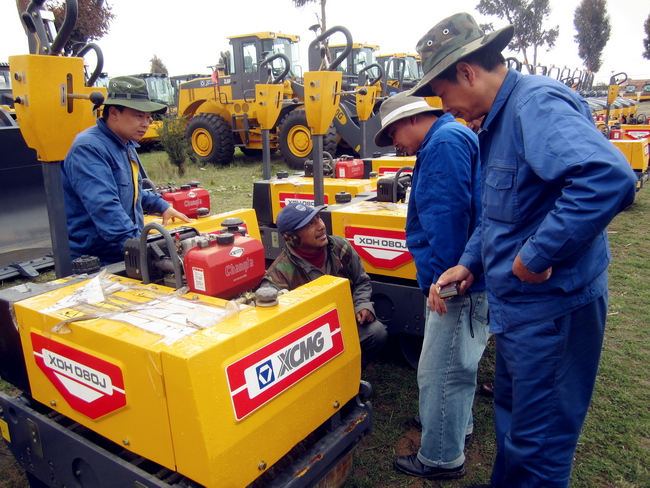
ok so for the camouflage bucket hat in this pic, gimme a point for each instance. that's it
(399, 107)
(131, 92)
(448, 41)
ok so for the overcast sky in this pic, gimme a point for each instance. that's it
(188, 35)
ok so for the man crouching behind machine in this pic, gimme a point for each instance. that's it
(311, 253)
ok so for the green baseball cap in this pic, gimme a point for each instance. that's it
(450, 40)
(131, 92)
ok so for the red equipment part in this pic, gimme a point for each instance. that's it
(188, 200)
(226, 268)
(348, 167)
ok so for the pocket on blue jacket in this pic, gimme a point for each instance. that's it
(499, 198)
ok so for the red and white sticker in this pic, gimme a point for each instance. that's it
(264, 374)
(381, 248)
(637, 133)
(306, 199)
(91, 386)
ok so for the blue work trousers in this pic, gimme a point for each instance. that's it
(452, 348)
(545, 377)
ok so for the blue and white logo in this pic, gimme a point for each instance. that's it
(265, 374)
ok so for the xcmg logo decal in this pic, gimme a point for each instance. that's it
(267, 372)
(91, 386)
(381, 248)
(304, 198)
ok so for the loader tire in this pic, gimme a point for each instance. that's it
(294, 139)
(211, 139)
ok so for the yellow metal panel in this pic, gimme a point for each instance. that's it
(122, 359)
(48, 119)
(322, 98)
(268, 104)
(299, 188)
(636, 152)
(212, 223)
(390, 164)
(218, 445)
(376, 231)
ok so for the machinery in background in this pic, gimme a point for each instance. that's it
(167, 369)
(402, 71)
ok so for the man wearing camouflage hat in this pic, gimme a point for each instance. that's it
(102, 184)
(551, 183)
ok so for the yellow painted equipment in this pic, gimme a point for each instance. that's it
(637, 153)
(376, 231)
(181, 398)
(64, 98)
(129, 382)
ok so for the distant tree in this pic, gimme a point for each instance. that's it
(93, 22)
(594, 28)
(171, 136)
(323, 19)
(527, 16)
(646, 41)
(157, 66)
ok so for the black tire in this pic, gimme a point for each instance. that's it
(294, 139)
(211, 139)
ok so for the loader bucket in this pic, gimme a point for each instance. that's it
(25, 238)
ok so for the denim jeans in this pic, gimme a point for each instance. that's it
(452, 348)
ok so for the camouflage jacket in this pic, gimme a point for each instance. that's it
(290, 271)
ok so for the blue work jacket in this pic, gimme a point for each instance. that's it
(551, 183)
(99, 195)
(445, 203)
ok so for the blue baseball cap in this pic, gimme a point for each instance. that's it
(295, 216)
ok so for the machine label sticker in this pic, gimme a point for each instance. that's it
(304, 198)
(637, 133)
(91, 386)
(264, 374)
(380, 247)
(391, 170)
(199, 278)
(236, 251)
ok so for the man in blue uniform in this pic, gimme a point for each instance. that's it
(443, 210)
(551, 183)
(104, 199)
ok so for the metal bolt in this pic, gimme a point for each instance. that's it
(336, 404)
(53, 403)
(261, 466)
(125, 442)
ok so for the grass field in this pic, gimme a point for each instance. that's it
(615, 446)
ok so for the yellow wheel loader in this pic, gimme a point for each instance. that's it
(169, 369)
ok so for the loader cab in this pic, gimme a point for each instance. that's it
(246, 53)
(159, 87)
(402, 71)
(362, 55)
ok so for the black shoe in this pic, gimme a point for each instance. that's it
(417, 423)
(412, 466)
(487, 389)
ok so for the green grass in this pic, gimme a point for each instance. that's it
(615, 444)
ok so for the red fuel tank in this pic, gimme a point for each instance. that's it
(188, 200)
(348, 167)
(226, 268)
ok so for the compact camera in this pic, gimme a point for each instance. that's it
(450, 289)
